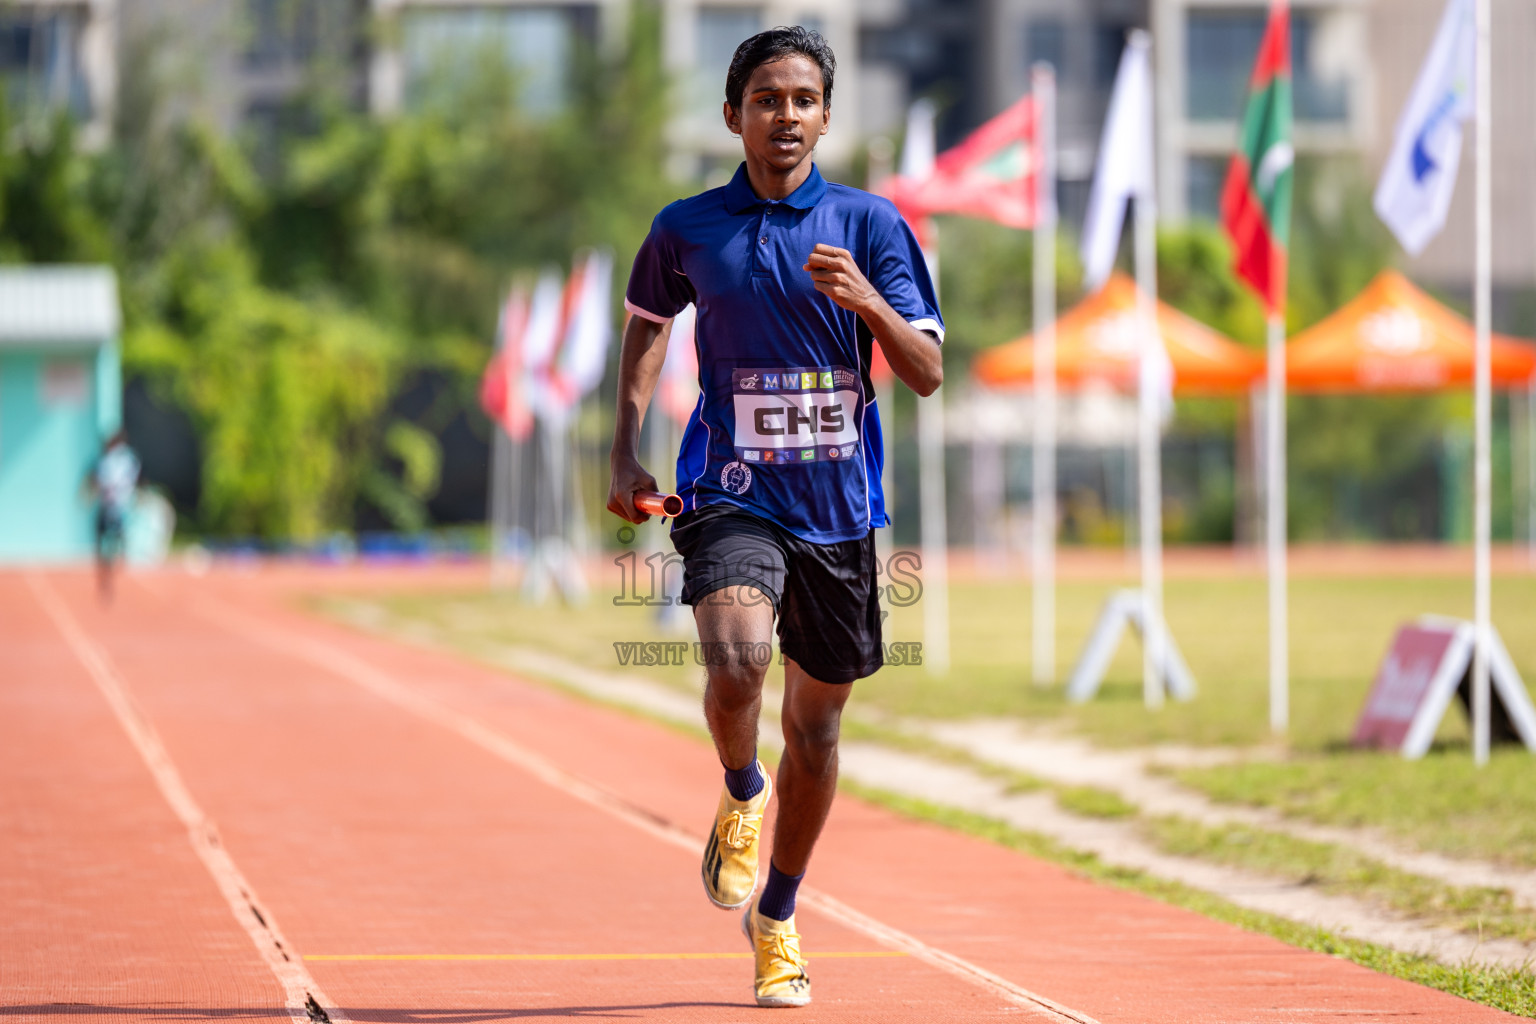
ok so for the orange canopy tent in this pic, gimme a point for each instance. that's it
(1393, 337)
(1098, 341)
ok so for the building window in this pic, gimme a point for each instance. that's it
(815, 23)
(1108, 46)
(1221, 47)
(1045, 42)
(443, 48)
(40, 66)
(718, 32)
(1203, 179)
(278, 32)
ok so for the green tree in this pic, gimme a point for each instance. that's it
(285, 297)
(285, 394)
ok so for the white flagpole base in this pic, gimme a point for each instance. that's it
(1125, 608)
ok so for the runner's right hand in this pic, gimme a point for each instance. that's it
(628, 477)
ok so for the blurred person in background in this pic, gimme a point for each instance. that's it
(113, 481)
(795, 279)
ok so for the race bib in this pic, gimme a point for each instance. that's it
(803, 415)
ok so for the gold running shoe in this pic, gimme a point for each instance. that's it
(730, 856)
(781, 979)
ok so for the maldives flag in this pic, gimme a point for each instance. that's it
(990, 175)
(1256, 200)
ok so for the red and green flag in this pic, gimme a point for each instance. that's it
(1256, 200)
(990, 175)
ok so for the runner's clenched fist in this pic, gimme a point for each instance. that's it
(839, 278)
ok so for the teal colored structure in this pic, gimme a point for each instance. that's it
(61, 396)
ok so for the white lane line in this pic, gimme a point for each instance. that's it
(304, 999)
(353, 669)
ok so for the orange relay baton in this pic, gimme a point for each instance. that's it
(668, 506)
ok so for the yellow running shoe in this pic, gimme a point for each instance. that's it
(730, 856)
(781, 979)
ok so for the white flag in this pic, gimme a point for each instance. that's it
(541, 346)
(1414, 194)
(541, 331)
(679, 386)
(589, 327)
(917, 151)
(1125, 161)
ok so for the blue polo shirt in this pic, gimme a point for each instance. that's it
(786, 426)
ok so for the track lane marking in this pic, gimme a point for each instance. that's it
(303, 997)
(876, 954)
(355, 670)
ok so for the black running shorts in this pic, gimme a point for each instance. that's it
(825, 595)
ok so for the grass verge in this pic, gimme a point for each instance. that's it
(1506, 989)
(1093, 802)
(1443, 802)
(1336, 869)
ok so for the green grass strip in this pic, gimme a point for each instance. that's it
(1480, 910)
(1444, 802)
(1093, 802)
(1509, 989)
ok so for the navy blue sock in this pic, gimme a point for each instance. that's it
(778, 899)
(744, 783)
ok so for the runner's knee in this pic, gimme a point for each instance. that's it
(736, 682)
(813, 743)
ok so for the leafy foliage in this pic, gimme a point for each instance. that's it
(284, 291)
(283, 392)
(385, 244)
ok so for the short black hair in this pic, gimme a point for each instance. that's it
(776, 44)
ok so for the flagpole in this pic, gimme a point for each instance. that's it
(496, 513)
(1149, 469)
(1530, 471)
(935, 527)
(1043, 549)
(1275, 526)
(1483, 469)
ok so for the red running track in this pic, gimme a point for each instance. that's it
(218, 808)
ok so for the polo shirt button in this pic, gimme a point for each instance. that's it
(764, 239)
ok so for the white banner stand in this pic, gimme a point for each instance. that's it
(1126, 608)
(1452, 676)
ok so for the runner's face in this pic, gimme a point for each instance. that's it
(782, 114)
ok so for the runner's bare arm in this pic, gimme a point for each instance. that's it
(913, 354)
(640, 359)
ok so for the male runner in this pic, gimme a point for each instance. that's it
(794, 279)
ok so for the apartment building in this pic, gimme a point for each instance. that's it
(61, 55)
(1354, 64)
(242, 63)
(538, 39)
(1205, 51)
(1082, 41)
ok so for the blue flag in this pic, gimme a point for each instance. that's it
(1414, 194)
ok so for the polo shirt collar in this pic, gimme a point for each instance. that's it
(739, 196)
